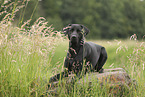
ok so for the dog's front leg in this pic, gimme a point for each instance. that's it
(59, 76)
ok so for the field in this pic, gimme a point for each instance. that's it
(126, 54)
(28, 61)
(30, 55)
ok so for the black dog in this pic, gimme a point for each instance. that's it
(79, 50)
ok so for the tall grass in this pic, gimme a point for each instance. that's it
(28, 59)
(126, 54)
(25, 54)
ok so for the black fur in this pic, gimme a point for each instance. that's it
(95, 55)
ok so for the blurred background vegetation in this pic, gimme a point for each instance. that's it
(106, 19)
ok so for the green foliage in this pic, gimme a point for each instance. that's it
(105, 19)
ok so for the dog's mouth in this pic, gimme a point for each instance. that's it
(74, 40)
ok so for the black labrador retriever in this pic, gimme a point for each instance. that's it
(95, 55)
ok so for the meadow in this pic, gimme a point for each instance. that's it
(28, 61)
(127, 54)
(30, 55)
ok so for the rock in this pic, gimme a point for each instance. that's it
(112, 76)
(116, 80)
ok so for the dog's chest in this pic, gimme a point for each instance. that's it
(75, 65)
(75, 62)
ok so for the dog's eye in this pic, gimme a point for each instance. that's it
(78, 30)
(71, 30)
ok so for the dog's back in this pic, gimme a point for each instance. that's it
(95, 54)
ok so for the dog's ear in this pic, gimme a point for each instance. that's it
(66, 29)
(85, 30)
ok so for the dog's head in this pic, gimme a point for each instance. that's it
(75, 32)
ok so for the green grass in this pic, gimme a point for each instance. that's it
(27, 63)
(25, 57)
(28, 59)
(126, 54)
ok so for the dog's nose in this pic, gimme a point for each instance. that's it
(74, 36)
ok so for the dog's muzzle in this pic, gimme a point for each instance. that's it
(74, 39)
